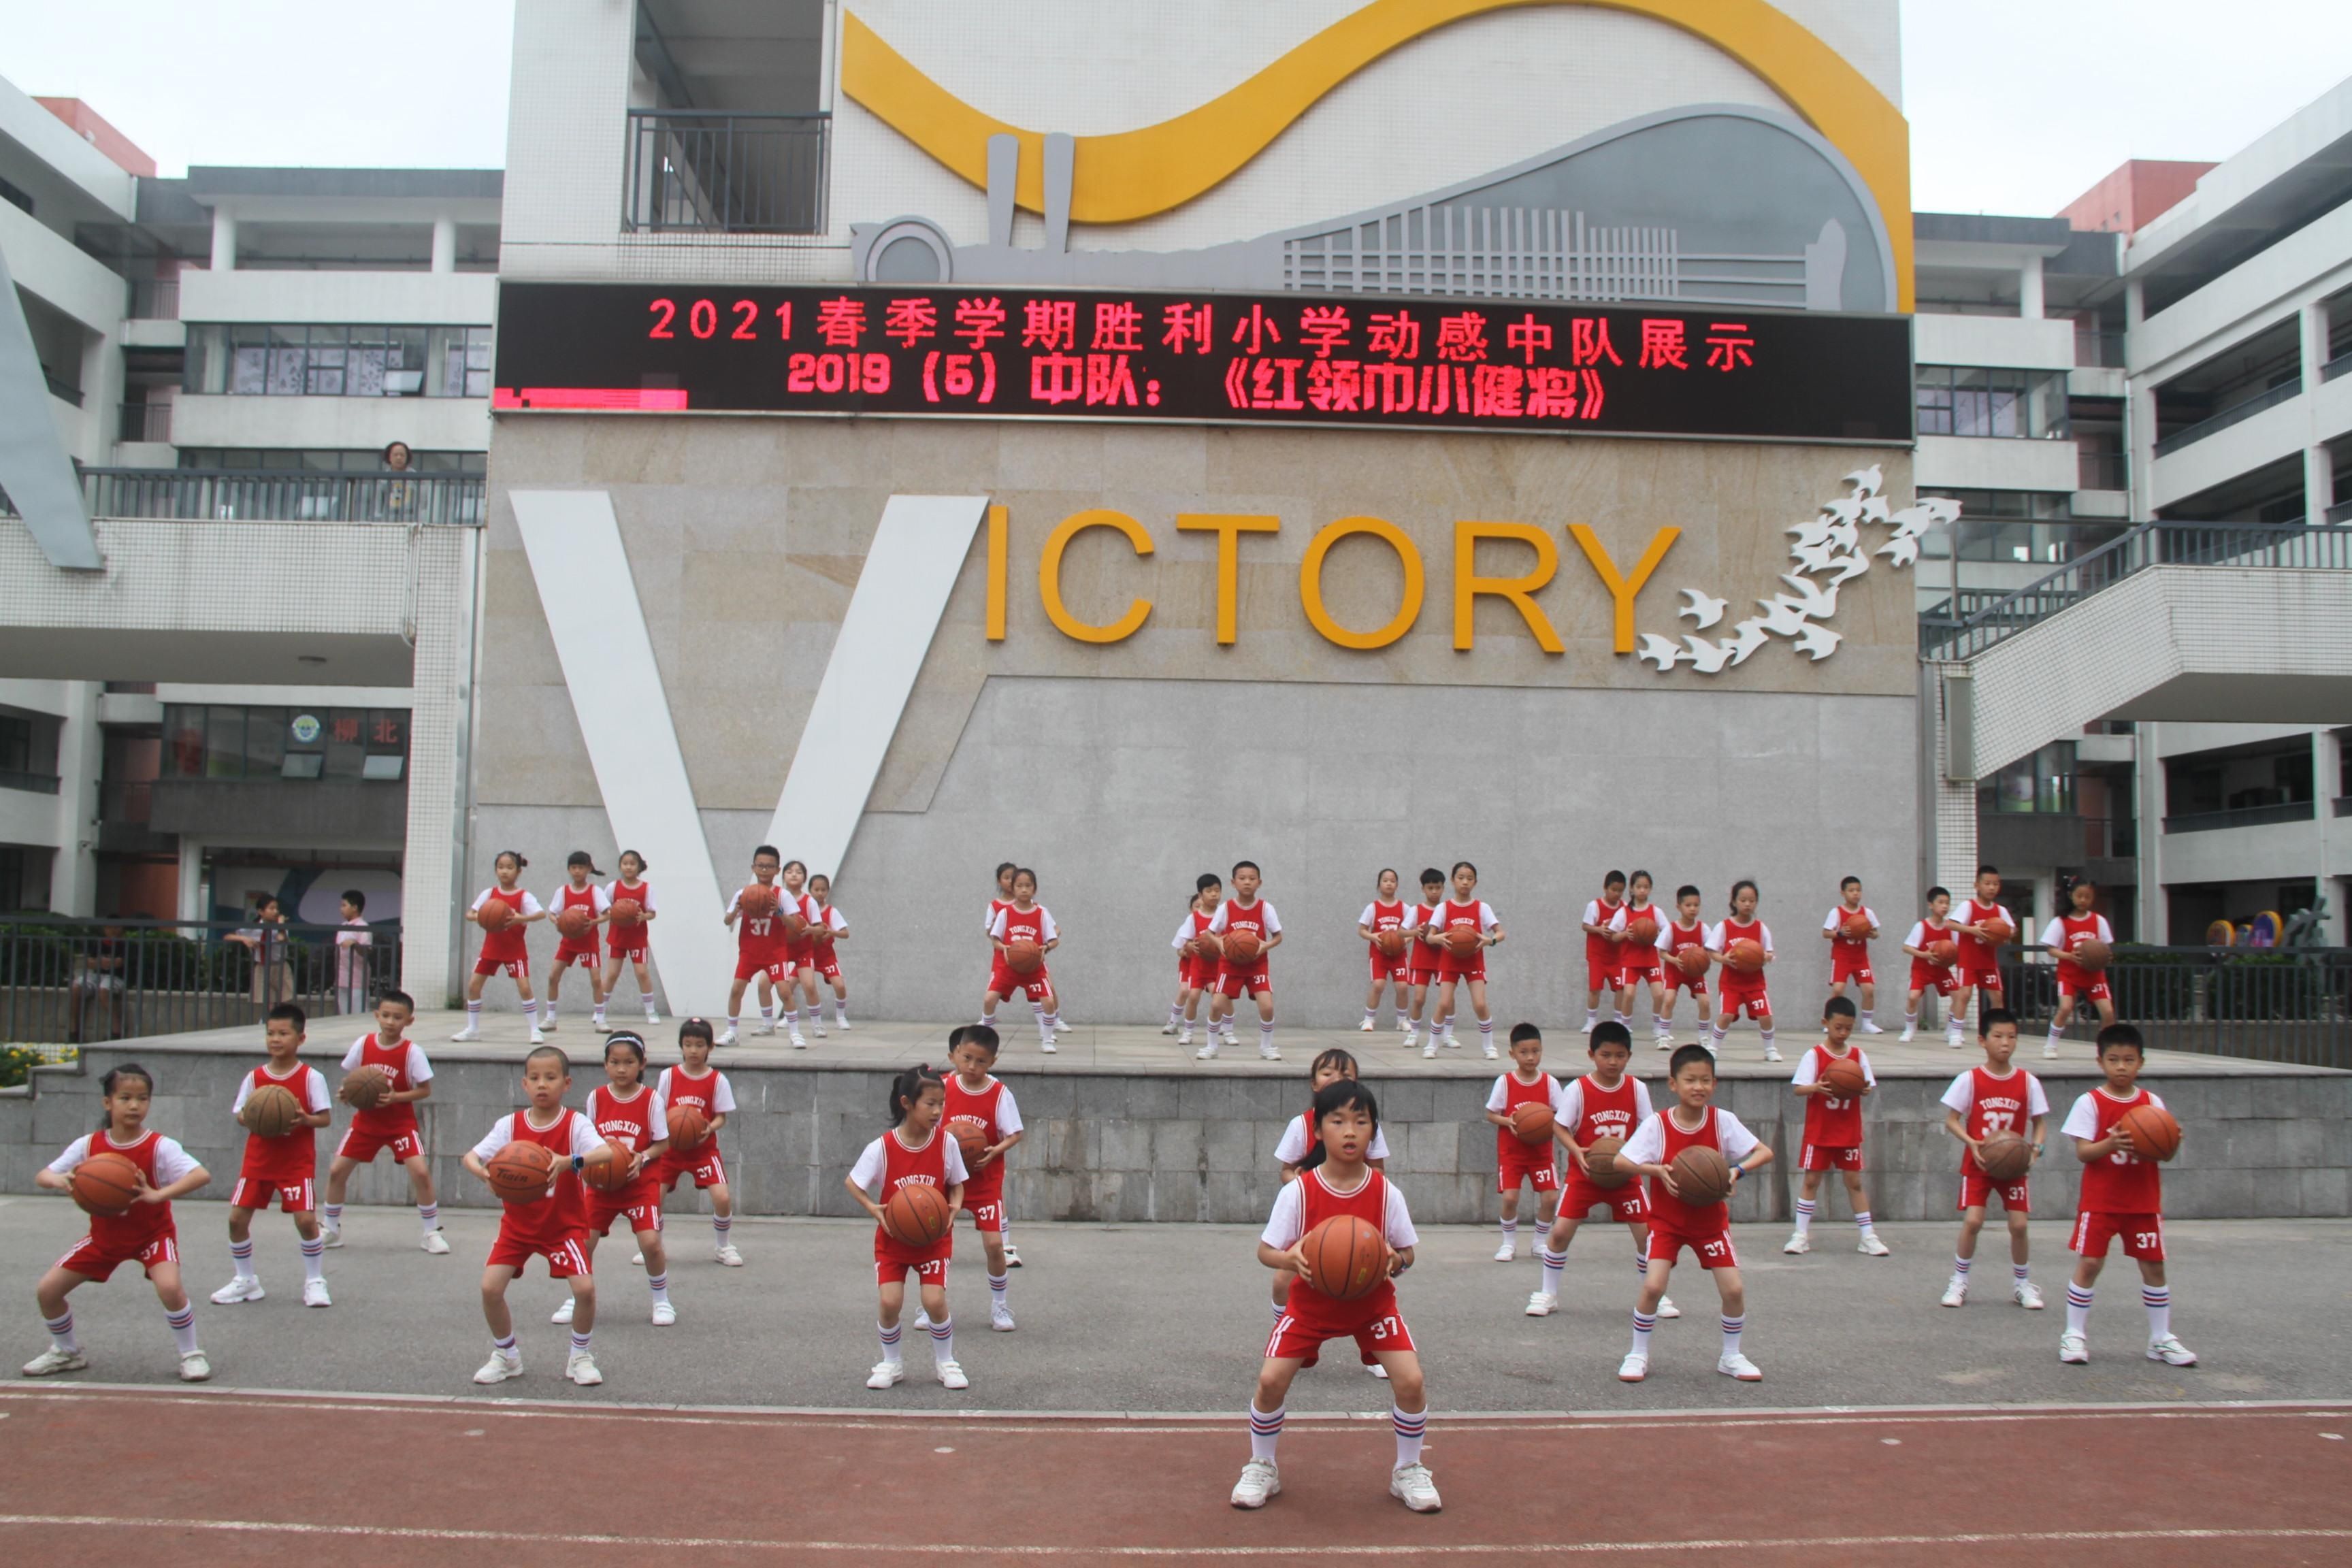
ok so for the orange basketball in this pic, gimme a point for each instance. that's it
(1701, 1176)
(1531, 1121)
(1205, 946)
(1641, 930)
(495, 915)
(1997, 930)
(2154, 1135)
(1745, 955)
(917, 1215)
(520, 1171)
(1391, 943)
(1462, 941)
(971, 1138)
(608, 1168)
(688, 1128)
(574, 922)
(1241, 946)
(2092, 954)
(1943, 955)
(1844, 1077)
(1346, 1256)
(796, 924)
(1853, 928)
(1600, 1155)
(1691, 959)
(2005, 1156)
(627, 911)
(270, 1111)
(366, 1087)
(106, 1185)
(1023, 957)
(757, 900)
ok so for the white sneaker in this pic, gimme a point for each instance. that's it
(196, 1368)
(434, 1243)
(728, 1038)
(951, 1376)
(1489, 1048)
(332, 1234)
(1049, 1047)
(1634, 1368)
(1666, 1308)
(765, 1029)
(1365, 1028)
(2074, 1350)
(500, 1367)
(1260, 1480)
(1870, 1245)
(1772, 1052)
(922, 1320)
(1506, 1252)
(602, 1028)
(1910, 1032)
(1410, 1485)
(546, 1024)
(240, 1287)
(1063, 1025)
(53, 1361)
(1952, 1040)
(817, 1029)
(537, 1036)
(1429, 1051)
(1184, 1038)
(653, 1020)
(1738, 1366)
(2028, 1295)
(1000, 1317)
(1169, 1028)
(1012, 1256)
(1377, 1370)
(842, 1024)
(462, 1035)
(563, 1313)
(1664, 1042)
(798, 1044)
(1799, 1245)
(1208, 1051)
(2171, 1351)
(2049, 1053)
(580, 1366)
(636, 1260)
(725, 1257)
(663, 1314)
(886, 1372)
(1542, 1303)
(314, 1294)
(1872, 1029)
(1268, 1052)
(1955, 1291)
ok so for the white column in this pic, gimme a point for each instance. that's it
(81, 749)
(2318, 464)
(441, 562)
(2028, 288)
(224, 239)
(445, 243)
(2148, 787)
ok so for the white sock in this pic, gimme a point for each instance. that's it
(731, 1021)
(996, 1285)
(61, 1333)
(660, 1284)
(1592, 1016)
(1732, 1328)
(2078, 1309)
(183, 1328)
(1371, 1013)
(1910, 1020)
(840, 1011)
(1266, 1034)
(890, 1352)
(1767, 1034)
(1553, 1263)
(1486, 1033)
(1511, 1230)
(548, 1011)
(768, 1017)
(600, 1012)
(474, 1013)
(314, 1257)
(429, 1216)
(240, 1255)
(332, 1216)
(1645, 1324)
(530, 1013)
(943, 1339)
(1861, 1221)
(1805, 1207)
(1410, 1430)
(1870, 1015)
(2056, 1034)
(1265, 1431)
(2157, 1299)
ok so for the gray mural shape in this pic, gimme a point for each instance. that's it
(1710, 204)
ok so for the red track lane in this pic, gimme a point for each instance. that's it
(218, 1476)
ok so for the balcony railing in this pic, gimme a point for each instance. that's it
(32, 784)
(2102, 471)
(2340, 513)
(2279, 1004)
(2335, 367)
(2242, 817)
(66, 390)
(221, 494)
(146, 422)
(2283, 392)
(155, 300)
(734, 174)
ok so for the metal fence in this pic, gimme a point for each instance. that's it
(738, 173)
(2271, 1005)
(228, 495)
(81, 982)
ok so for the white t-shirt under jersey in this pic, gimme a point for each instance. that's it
(1288, 1223)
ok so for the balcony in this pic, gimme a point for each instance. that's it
(2242, 817)
(2283, 392)
(231, 495)
(715, 173)
(155, 300)
(31, 783)
(146, 422)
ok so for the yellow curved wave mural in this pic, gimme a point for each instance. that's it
(1133, 175)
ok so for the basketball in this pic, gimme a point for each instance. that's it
(1844, 1077)
(2154, 1135)
(1691, 959)
(1462, 941)
(688, 1128)
(1391, 943)
(971, 1138)
(1701, 1176)
(1641, 930)
(607, 1169)
(574, 922)
(106, 1185)
(2092, 954)
(627, 911)
(1997, 930)
(1204, 946)
(917, 1215)
(756, 901)
(520, 1171)
(1943, 955)
(1023, 957)
(1531, 1121)
(796, 924)
(1241, 946)
(269, 1111)
(2005, 1157)
(1346, 1258)
(495, 914)
(1853, 928)
(366, 1087)
(1745, 955)
(1600, 1154)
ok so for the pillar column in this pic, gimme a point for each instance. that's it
(445, 243)
(224, 239)
(442, 563)
(2028, 288)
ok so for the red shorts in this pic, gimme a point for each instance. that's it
(570, 957)
(1677, 980)
(1635, 972)
(363, 1144)
(1579, 1198)
(641, 1206)
(293, 1193)
(1003, 982)
(703, 1162)
(1385, 968)
(1311, 1318)
(2143, 1234)
(892, 1260)
(1849, 964)
(1977, 974)
(1418, 977)
(626, 941)
(92, 1261)
(828, 966)
(986, 1207)
(1528, 1162)
(1603, 976)
(1452, 967)
(751, 965)
(1197, 974)
(1976, 1190)
(512, 968)
(1940, 978)
(1818, 1157)
(1745, 994)
(1253, 981)
(566, 1252)
(1713, 1251)
(2091, 988)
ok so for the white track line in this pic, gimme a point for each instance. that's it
(939, 1548)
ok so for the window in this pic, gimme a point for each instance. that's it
(16, 746)
(232, 743)
(289, 461)
(2041, 784)
(1960, 400)
(247, 359)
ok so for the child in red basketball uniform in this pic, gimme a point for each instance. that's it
(507, 950)
(1246, 912)
(392, 1124)
(1518, 1162)
(978, 1100)
(1637, 961)
(1995, 1097)
(1338, 1182)
(2122, 1195)
(1386, 913)
(1743, 992)
(1603, 1103)
(553, 1225)
(1023, 919)
(1600, 966)
(1833, 1130)
(827, 926)
(1196, 971)
(915, 1151)
(1706, 1229)
(578, 892)
(1684, 933)
(145, 1234)
(627, 1113)
(1850, 956)
(796, 917)
(695, 1084)
(1421, 954)
(1978, 969)
(1465, 911)
(2078, 926)
(283, 1167)
(760, 945)
(1927, 973)
(629, 938)
(1299, 1139)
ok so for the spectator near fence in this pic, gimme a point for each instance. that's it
(273, 968)
(353, 954)
(97, 985)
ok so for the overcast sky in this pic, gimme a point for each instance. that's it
(2016, 106)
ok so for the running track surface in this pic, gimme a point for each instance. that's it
(99, 1473)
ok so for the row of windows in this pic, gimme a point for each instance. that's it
(246, 360)
(1962, 400)
(295, 460)
(241, 742)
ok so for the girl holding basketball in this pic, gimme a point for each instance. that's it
(1196, 971)
(627, 1113)
(503, 912)
(577, 944)
(1385, 914)
(916, 1153)
(141, 1231)
(1637, 961)
(1028, 923)
(827, 926)
(1466, 926)
(1322, 1226)
(627, 938)
(695, 1085)
(1744, 990)
(796, 916)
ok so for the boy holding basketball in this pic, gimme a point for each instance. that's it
(696, 1085)
(2122, 1197)
(550, 1223)
(1981, 925)
(1384, 914)
(1832, 1080)
(1931, 967)
(1517, 1159)
(390, 1120)
(1684, 934)
(758, 943)
(1601, 943)
(1421, 954)
(280, 1166)
(1248, 916)
(1605, 1103)
(986, 1124)
(2080, 928)
(1996, 1100)
(1850, 928)
(1673, 1149)
(1466, 927)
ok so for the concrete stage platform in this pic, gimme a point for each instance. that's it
(1125, 1126)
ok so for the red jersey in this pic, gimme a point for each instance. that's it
(797, 947)
(283, 1160)
(1385, 917)
(1975, 952)
(1668, 1211)
(2074, 931)
(508, 945)
(1830, 1121)
(1642, 954)
(978, 1109)
(1021, 925)
(1995, 1105)
(1733, 931)
(1251, 918)
(2123, 1183)
(1855, 946)
(1420, 954)
(761, 936)
(1544, 1091)
(902, 1166)
(1607, 1112)
(127, 1235)
(589, 898)
(631, 1124)
(1677, 936)
(820, 936)
(1599, 951)
(681, 1088)
(386, 1119)
(565, 1205)
(1368, 1202)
